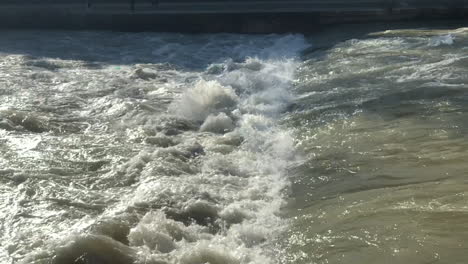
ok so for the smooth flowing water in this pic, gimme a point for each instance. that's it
(119, 148)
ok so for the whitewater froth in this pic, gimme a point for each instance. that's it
(239, 192)
(205, 98)
(208, 182)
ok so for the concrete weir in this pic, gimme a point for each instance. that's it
(249, 16)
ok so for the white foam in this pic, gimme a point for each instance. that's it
(205, 98)
(220, 123)
(239, 192)
(209, 254)
(208, 184)
(441, 40)
(158, 233)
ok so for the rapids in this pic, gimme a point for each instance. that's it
(144, 148)
(346, 146)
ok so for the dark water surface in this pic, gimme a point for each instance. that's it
(382, 121)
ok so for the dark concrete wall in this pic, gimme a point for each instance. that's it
(258, 16)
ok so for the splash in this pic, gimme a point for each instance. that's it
(207, 178)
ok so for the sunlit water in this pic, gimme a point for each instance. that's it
(121, 148)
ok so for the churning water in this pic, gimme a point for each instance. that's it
(120, 148)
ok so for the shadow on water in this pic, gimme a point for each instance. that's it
(328, 37)
(97, 49)
(381, 123)
(380, 109)
(342, 81)
(182, 51)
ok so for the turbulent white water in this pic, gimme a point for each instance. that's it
(119, 148)
(144, 148)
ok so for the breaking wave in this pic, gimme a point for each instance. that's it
(208, 182)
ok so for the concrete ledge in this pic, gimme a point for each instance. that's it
(221, 16)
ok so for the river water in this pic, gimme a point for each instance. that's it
(342, 147)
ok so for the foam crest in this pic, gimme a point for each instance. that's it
(205, 98)
(208, 181)
(217, 123)
(441, 40)
(209, 254)
(239, 191)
